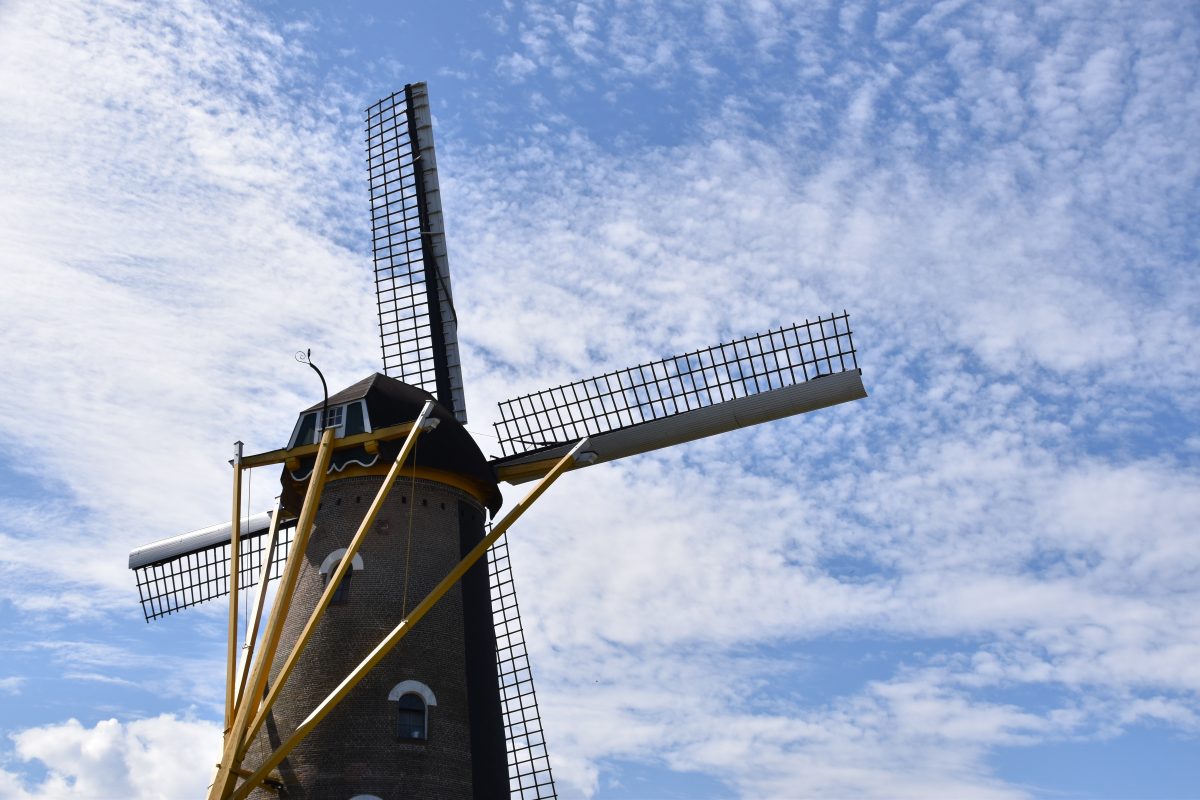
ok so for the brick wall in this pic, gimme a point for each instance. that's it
(355, 750)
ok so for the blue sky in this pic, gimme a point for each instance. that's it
(981, 582)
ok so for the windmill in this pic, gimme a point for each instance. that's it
(339, 692)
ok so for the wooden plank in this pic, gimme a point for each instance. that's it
(235, 545)
(225, 781)
(280, 456)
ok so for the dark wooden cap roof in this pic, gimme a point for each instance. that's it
(447, 447)
(359, 390)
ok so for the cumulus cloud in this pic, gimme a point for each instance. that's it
(146, 759)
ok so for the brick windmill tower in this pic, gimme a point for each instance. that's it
(383, 523)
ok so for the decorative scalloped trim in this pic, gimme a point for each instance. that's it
(337, 468)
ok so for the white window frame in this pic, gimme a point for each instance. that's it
(420, 690)
(336, 556)
(413, 687)
(339, 430)
(338, 413)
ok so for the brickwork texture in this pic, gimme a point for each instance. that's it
(418, 537)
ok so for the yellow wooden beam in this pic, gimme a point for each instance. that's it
(280, 456)
(518, 473)
(398, 633)
(335, 579)
(260, 598)
(235, 542)
(226, 779)
(271, 784)
(481, 491)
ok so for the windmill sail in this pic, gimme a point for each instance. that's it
(529, 774)
(716, 389)
(186, 570)
(418, 327)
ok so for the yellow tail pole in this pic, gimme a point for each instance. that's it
(398, 633)
(226, 778)
(260, 599)
(235, 542)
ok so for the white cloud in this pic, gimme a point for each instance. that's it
(999, 331)
(159, 212)
(147, 759)
(516, 66)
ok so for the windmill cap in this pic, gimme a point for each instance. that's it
(448, 448)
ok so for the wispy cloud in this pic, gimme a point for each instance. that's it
(1020, 326)
(1004, 198)
(154, 222)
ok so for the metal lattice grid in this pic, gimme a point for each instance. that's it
(193, 578)
(529, 775)
(404, 308)
(416, 315)
(678, 384)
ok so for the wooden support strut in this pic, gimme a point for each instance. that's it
(260, 598)
(422, 424)
(235, 541)
(392, 639)
(226, 779)
(300, 451)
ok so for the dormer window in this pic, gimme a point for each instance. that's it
(306, 430)
(335, 417)
(346, 419)
(355, 420)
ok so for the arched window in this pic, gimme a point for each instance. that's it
(412, 718)
(343, 588)
(329, 565)
(413, 700)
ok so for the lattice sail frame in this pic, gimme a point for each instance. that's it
(186, 580)
(418, 327)
(676, 385)
(529, 774)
